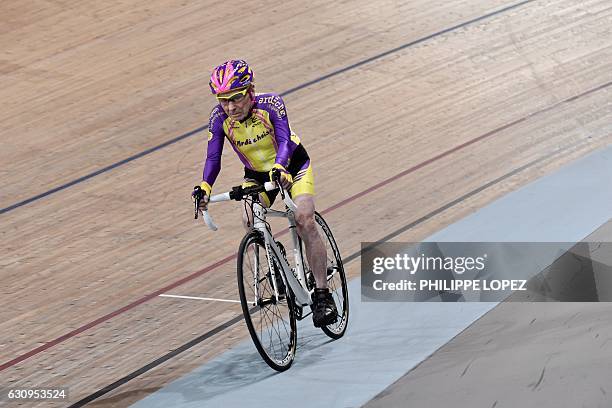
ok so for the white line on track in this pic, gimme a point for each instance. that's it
(200, 298)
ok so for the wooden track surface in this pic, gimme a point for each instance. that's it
(88, 84)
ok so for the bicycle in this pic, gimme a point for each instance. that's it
(273, 292)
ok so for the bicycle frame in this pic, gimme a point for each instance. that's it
(296, 281)
(294, 277)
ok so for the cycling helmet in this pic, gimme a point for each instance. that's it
(231, 75)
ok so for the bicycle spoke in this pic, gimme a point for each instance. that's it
(280, 319)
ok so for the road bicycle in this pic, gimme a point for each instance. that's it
(274, 292)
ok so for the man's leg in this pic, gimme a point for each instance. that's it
(307, 229)
(324, 309)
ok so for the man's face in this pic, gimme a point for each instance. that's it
(237, 105)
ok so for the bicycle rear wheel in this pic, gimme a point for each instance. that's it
(336, 279)
(271, 321)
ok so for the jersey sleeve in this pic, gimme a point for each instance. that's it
(216, 137)
(282, 131)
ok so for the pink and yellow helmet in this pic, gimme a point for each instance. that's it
(231, 75)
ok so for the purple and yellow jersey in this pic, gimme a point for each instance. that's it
(261, 140)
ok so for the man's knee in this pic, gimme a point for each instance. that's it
(305, 220)
(304, 216)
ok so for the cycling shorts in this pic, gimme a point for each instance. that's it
(299, 168)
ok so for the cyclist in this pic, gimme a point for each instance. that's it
(257, 127)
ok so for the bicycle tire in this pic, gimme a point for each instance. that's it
(276, 345)
(337, 283)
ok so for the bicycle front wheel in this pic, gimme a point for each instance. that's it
(270, 319)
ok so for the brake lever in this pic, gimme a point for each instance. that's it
(276, 179)
(197, 194)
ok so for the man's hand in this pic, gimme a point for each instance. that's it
(285, 178)
(201, 196)
(203, 202)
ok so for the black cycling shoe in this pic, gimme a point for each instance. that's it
(324, 312)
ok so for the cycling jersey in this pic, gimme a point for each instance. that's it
(261, 140)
